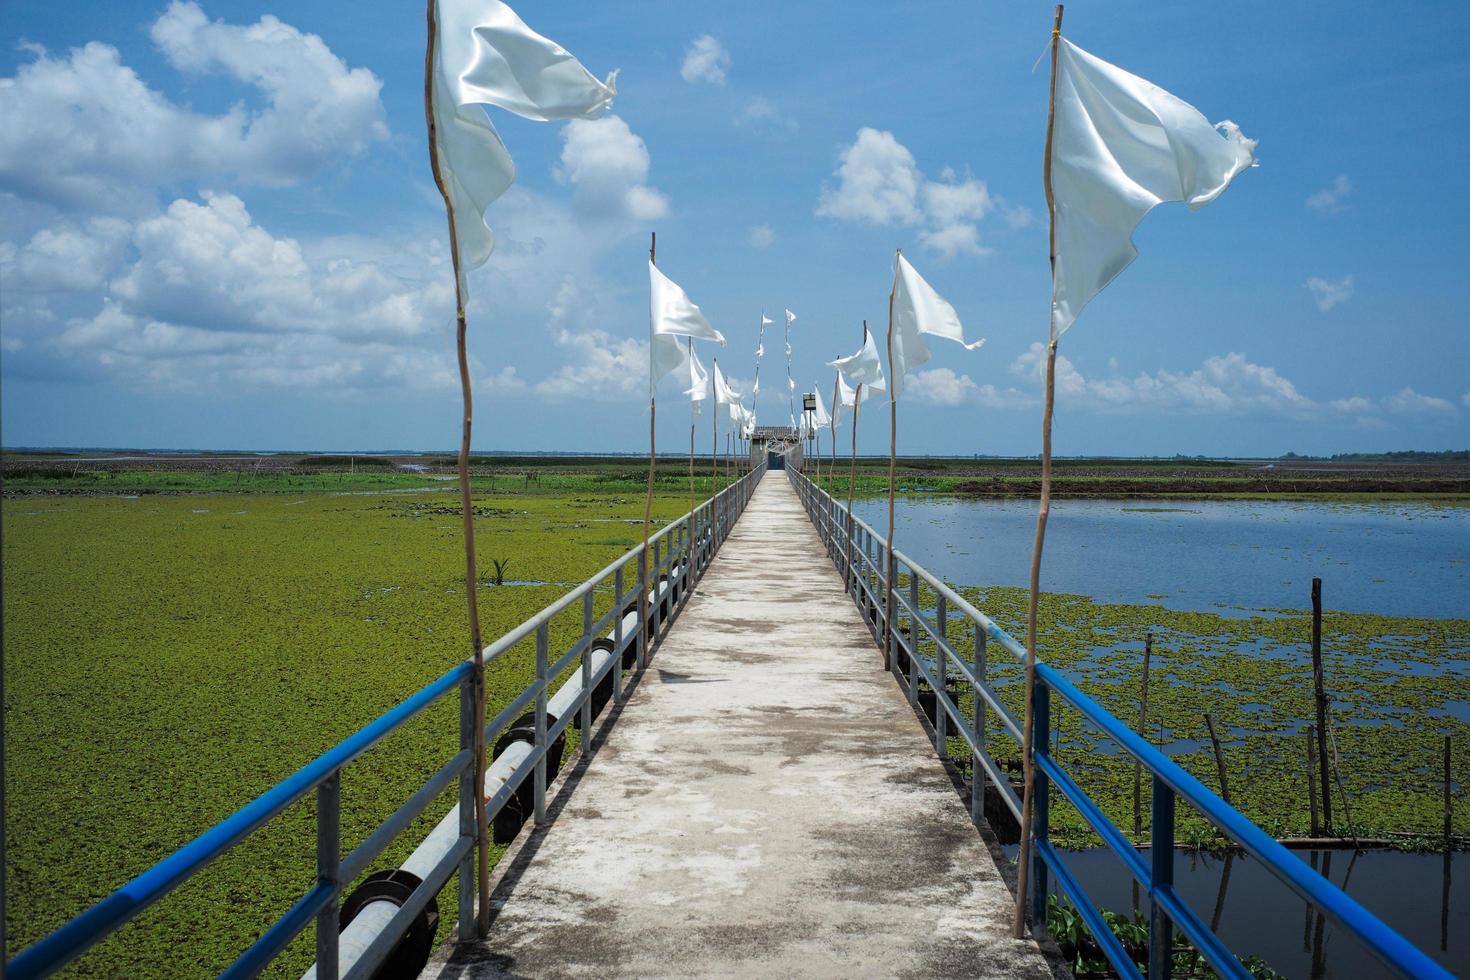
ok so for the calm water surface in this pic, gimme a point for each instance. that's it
(1215, 556)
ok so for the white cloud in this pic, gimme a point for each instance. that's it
(941, 386)
(601, 367)
(761, 236)
(880, 183)
(607, 164)
(1329, 199)
(761, 110)
(1327, 294)
(69, 257)
(1407, 401)
(1224, 385)
(83, 131)
(705, 61)
(504, 382)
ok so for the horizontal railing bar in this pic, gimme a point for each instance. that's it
(384, 942)
(1206, 942)
(1096, 924)
(509, 712)
(1395, 951)
(1099, 822)
(374, 844)
(280, 934)
(91, 926)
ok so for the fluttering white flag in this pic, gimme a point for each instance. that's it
(698, 389)
(724, 394)
(791, 383)
(862, 367)
(1120, 146)
(671, 315)
(485, 55)
(766, 321)
(822, 418)
(918, 310)
(790, 318)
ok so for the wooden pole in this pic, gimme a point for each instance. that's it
(1312, 777)
(1449, 808)
(714, 440)
(466, 507)
(1023, 868)
(1318, 683)
(467, 514)
(693, 412)
(648, 497)
(889, 564)
(1219, 757)
(1148, 649)
(832, 466)
(857, 403)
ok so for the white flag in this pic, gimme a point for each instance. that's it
(670, 316)
(791, 384)
(863, 367)
(485, 55)
(698, 389)
(790, 318)
(823, 419)
(724, 394)
(1121, 145)
(766, 321)
(760, 352)
(917, 310)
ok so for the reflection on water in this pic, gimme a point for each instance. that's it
(1255, 914)
(1215, 556)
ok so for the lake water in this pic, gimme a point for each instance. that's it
(1399, 559)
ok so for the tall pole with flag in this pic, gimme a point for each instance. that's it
(863, 368)
(481, 54)
(1116, 146)
(790, 383)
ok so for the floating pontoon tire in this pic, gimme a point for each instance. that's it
(408, 957)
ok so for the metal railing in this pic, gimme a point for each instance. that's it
(861, 556)
(681, 552)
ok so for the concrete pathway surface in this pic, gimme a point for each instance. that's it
(767, 805)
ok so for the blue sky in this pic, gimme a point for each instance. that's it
(218, 228)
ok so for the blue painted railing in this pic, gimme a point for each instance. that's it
(678, 555)
(861, 556)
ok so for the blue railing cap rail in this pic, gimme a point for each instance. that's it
(1394, 950)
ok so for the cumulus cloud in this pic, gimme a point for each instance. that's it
(1231, 384)
(880, 183)
(1329, 199)
(761, 236)
(1326, 293)
(942, 386)
(607, 164)
(705, 61)
(84, 132)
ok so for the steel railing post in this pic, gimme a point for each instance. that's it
(467, 828)
(913, 628)
(329, 871)
(642, 647)
(587, 674)
(1040, 804)
(539, 785)
(617, 668)
(977, 773)
(659, 597)
(1160, 927)
(941, 667)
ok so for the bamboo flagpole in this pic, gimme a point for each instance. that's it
(714, 437)
(1028, 762)
(889, 563)
(644, 570)
(471, 578)
(832, 467)
(693, 412)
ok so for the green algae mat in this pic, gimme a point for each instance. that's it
(167, 658)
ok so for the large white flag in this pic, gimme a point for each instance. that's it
(918, 310)
(822, 418)
(671, 315)
(790, 318)
(1120, 146)
(485, 55)
(724, 394)
(862, 367)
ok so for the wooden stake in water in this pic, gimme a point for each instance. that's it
(1449, 808)
(1319, 686)
(1312, 777)
(1148, 650)
(471, 578)
(1023, 868)
(1219, 757)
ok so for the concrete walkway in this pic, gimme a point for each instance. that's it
(767, 805)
